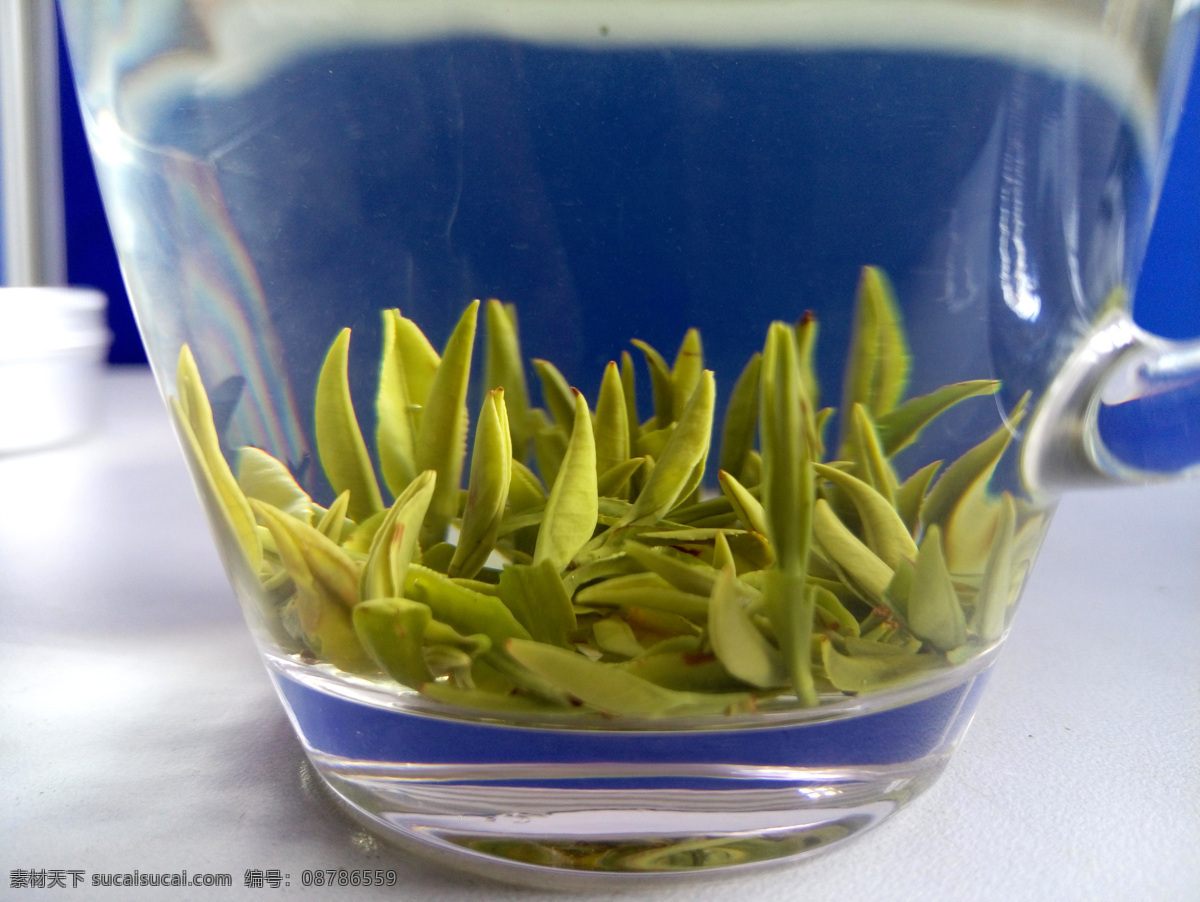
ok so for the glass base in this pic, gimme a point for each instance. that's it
(575, 805)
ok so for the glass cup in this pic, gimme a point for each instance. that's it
(546, 601)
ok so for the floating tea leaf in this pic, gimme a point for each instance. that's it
(340, 443)
(572, 508)
(442, 439)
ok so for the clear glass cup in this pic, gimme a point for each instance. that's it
(717, 607)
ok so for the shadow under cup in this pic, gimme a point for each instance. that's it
(553, 606)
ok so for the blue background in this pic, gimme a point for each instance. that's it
(1171, 271)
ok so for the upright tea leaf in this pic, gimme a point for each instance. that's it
(487, 491)
(934, 613)
(614, 482)
(572, 509)
(395, 431)
(871, 464)
(991, 604)
(309, 556)
(787, 481)
(395, 541)
(340, 443)
(910, 496)
(326, 588)
(741, 419)
(194, 417)
(737, 642)
(629, 387)
(878, 363)
(806, 348)
(689, 364)
(442, 439)
(612, 423)
(674, 472)
(504, 368)
(662, 383)
(525, 490)
(556, 393)
(333, 521)
(789, 602)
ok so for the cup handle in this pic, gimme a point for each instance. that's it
(1118, 362)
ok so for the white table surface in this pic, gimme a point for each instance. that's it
(138, 729)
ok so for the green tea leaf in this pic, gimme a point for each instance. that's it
(615, 637)
(787, 486)
(974, 467)
(871, 464)
(674, 472)
(467, 611)
(482, 700)
(934, 613)
(789, 603)
(805, 332)
(748, 508)
(557, 394)
(395, 431)
(737, 642)
(395, 541)
(504, 368)
(991, 604)
(689, 364)
(442, 438)
(611, 689)
(525, 490)
(683, 572)
(687, 671)
(612, 424)
(829, 602)
(538, 599)
(886, 533)
(866, 673)
(910, 496)
(663, 384)
(614, 481)
(643, 590)
(417, 357)
(195, 422)
(263, 477)
(629, 388)
(326, 588)
(309, 556)
(572, 509)
(340, 443)
(878, 363)
(861, 567)
(487, 494)
(741, 418)
(900, 427)
(392, 630)
(722, 553)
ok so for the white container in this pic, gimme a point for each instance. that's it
(53, 342)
